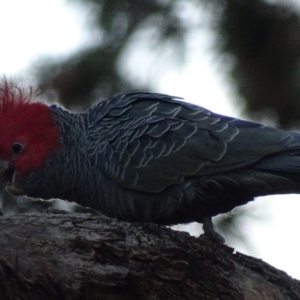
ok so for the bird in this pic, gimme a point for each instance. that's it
(142, 157)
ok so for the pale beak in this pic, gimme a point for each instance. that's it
(14, 190)
(4, 164)
(7, 174)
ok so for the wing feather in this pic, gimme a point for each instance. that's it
(147, 142)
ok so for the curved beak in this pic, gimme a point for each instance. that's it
(14, 190)
(7, 174)
(4, 165)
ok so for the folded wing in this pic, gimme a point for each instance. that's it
(146, 142)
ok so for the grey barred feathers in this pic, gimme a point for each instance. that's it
(148, 157)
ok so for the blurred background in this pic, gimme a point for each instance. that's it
(240, 58)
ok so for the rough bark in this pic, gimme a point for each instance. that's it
(80, 256)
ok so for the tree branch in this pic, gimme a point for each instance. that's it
(80, 256)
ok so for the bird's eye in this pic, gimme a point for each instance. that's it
(16, 147)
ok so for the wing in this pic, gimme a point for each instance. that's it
(146, 141)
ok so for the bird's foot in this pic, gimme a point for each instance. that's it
(210, 233)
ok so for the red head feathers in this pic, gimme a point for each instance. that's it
(28, 132)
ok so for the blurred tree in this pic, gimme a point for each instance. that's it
(262, 38)
(94, 73)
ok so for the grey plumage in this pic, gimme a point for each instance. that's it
(153, 158)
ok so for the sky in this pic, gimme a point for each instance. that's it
(35, 29)
(31, 29)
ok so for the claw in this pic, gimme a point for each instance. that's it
(209, 232)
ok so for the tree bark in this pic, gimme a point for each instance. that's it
(80, 256)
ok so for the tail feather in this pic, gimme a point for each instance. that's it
(282, 163)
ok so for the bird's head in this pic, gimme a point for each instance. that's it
(28, 133)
